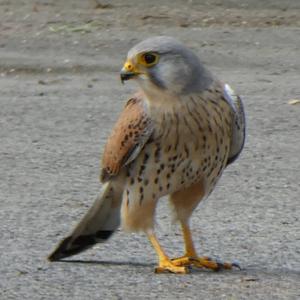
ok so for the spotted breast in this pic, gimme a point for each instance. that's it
(187, 145)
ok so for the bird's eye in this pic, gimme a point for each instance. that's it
(149, 59)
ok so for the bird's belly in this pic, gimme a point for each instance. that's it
(163, 170)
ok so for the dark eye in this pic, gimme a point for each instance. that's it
(149, 58)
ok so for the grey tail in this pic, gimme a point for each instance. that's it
(98, 224)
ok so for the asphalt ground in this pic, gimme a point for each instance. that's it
(60, 96)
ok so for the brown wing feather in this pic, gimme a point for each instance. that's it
(129, 135)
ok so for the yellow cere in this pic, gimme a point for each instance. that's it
(128, 66)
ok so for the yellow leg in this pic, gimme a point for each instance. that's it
(188, 241)
(190, 257)
(164, 263)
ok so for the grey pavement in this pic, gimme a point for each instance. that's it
(60, 96)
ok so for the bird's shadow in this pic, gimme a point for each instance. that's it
(130, 264)
(249, 270)
(107, 263)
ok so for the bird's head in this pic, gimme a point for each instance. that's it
(166, 64)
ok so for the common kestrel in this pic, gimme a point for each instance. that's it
(175, 137)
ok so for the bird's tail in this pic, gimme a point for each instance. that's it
(98, 224)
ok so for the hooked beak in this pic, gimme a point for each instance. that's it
(125, 75)
(128, 71)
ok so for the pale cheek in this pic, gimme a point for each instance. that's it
(143, 77)
(144, 82)
(173, 76)
(167, 73)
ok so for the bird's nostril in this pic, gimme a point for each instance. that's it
(129, 66)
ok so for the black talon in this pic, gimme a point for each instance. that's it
(237, 265)
(220, 265)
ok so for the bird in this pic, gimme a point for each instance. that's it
(175, 137)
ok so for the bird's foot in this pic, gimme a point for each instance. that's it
(204, 262)
(216, 265)
(167, 266)
(183, 261)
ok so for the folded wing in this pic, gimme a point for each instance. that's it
(239, 124)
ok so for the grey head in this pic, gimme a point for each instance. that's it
(163, 62)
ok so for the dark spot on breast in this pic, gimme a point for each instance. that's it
(142, 168)
(186, 150)
(179, 163)
(141, 198)
(172, 166)
(157, 153)
(146, 157)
